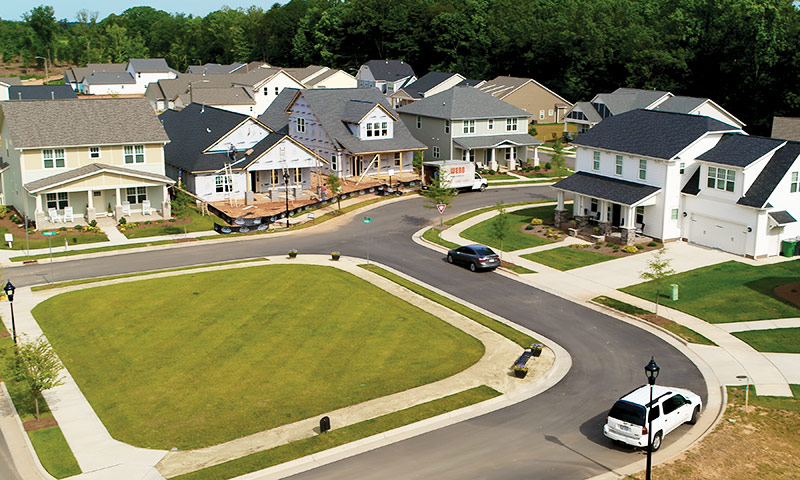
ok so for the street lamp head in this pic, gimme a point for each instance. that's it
(285, 177)
(9, 289)
(652, 369)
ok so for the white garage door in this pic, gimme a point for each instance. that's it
(710, 232)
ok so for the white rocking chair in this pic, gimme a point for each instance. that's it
(53, 214)
(146, 210)
(126, 208)
(68, 214)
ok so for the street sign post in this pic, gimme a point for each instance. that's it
(50, 236)
(367, 220)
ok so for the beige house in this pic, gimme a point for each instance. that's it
(544, 105)
(71, 161)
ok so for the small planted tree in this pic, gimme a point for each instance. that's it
(36, 365)
(334, 186)
(557, 160)
(658, 268)
(499, 226)
(439, 193)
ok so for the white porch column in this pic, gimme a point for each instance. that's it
(39, 215)
(118, 198)
(91, 213)
(90, 200)
(603, 211)
(118, 205)
(560, 200)
(39, 208)
(628, 217)
(166, 205)
(535, 155)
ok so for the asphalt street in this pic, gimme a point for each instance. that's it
(557, 434)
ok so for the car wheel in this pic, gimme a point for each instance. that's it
(473, 267)
(656, 442)
(449, 258)
(483, 187)
(695, 415)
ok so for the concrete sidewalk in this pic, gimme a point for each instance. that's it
(731, 357)
(101, 456)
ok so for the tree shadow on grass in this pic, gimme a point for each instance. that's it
(766, 286)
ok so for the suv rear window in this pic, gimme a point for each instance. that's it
(628, 412)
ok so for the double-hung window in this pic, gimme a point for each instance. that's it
(384, 129)
(541, 114)
(59, 200)
(301, 125)
(397, 159)
(419, 121)
(793, 186)
(435, 151)
(447, 126)
(618, 165)
(369, 129)
(596, 161)
(134, 153)
(468, 155)
(333, 163)
(136, 194)
(53, 158)
(298, 175)
(469, 126)
(642, 169)
(682, 167)
(511, 124)
(94, 152)
(640, 215)
(490, 125)
(721, 178)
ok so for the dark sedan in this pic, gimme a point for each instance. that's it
(476, 256)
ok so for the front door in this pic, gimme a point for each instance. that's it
(615, 214)
(254, 182)
(355, 166)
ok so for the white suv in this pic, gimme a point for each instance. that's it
(671, 407)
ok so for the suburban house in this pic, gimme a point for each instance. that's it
(388, 76)
(463, 123)
(248, 92)
(786, 127)
(545, 105)
(429, 84)
(588, 114)
(133, 79)
(74, 76)
(355, 129)
(683, 176)
(315, 76)
(220, 155)
(5, 84)
(40, 92)
(92, 158)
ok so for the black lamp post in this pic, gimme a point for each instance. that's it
(286, 184)
(9, 289)
(651, 370)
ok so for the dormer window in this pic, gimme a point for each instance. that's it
(721, 178)
(378, 129)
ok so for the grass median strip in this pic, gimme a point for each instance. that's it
(501, 328)
(435, 235)
(84, 281)
(776, 340)
(84, 251)
(684, 332)
(341, 436)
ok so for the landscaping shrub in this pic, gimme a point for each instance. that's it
(630, 249)
(652, 244)
(62, 229)
(528, 227)
(537, 168)
(597, 246)
(122, 221)
(536, 221)
(14, 218)
(93, 223)
(547, 166)
(181, 203)
(639, 246)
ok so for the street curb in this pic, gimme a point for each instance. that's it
(21, 431)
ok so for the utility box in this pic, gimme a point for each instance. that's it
(673, 292)
(324, 424)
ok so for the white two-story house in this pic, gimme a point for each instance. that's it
(463, 123)
(91, 158)
(682, 176)
(354, 129)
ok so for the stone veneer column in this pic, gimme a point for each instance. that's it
(628, 236)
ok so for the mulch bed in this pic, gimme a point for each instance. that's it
(789, 292)
(606, 248)
(33, 424)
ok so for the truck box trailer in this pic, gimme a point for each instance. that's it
(458, 174)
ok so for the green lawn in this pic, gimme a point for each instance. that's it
(229, 353)
(340, 436)
(566, 258)
(729, 292)
(520, 269)
(564, 172)
(36, 240)
(435, 235)
(510, 333)
(473, 213)
(86, 251)
(778, 340)
(198, 223)
(515, 239)
(499, 177)
(53, 451)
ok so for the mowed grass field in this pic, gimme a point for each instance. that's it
(199, 359)
(515, 238)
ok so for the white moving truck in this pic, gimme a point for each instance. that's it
(458, 174)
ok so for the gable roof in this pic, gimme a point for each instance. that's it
(680, 104)
(149, 65)
(330, 106)
(428, 81)
(77, 74)
(772, 174)
(89, 170)
(389, 70)
(786, 127)
(304, 73)
(739, 150)
(607, 188)
(624, 99)
(502, 87)
(10, 81)
(215, 68)
(95, 122)
(650, 133)
(275, 116)
(588, 110)
(219, 96)
(40, 92)
(109, 78)
(462, 103)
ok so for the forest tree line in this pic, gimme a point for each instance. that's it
(743, 54)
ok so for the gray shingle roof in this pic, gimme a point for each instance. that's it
(460, 103)
(650, 133)
(92, 168)
(692, 187)
(11, 80)
(77, 74)
(426, 82)
(587, 109)
(40, 92)
(491, 141)
(624, 99)
(680, 104)
(782, 217)
(739, 150)
(390, 70)
(215, 68)
(112, 121)
(606, 188)
(109, 78)
(149, 65)
(786, 127)
(275, 117)
(759, 192)
(221, 96)
(329, 106)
